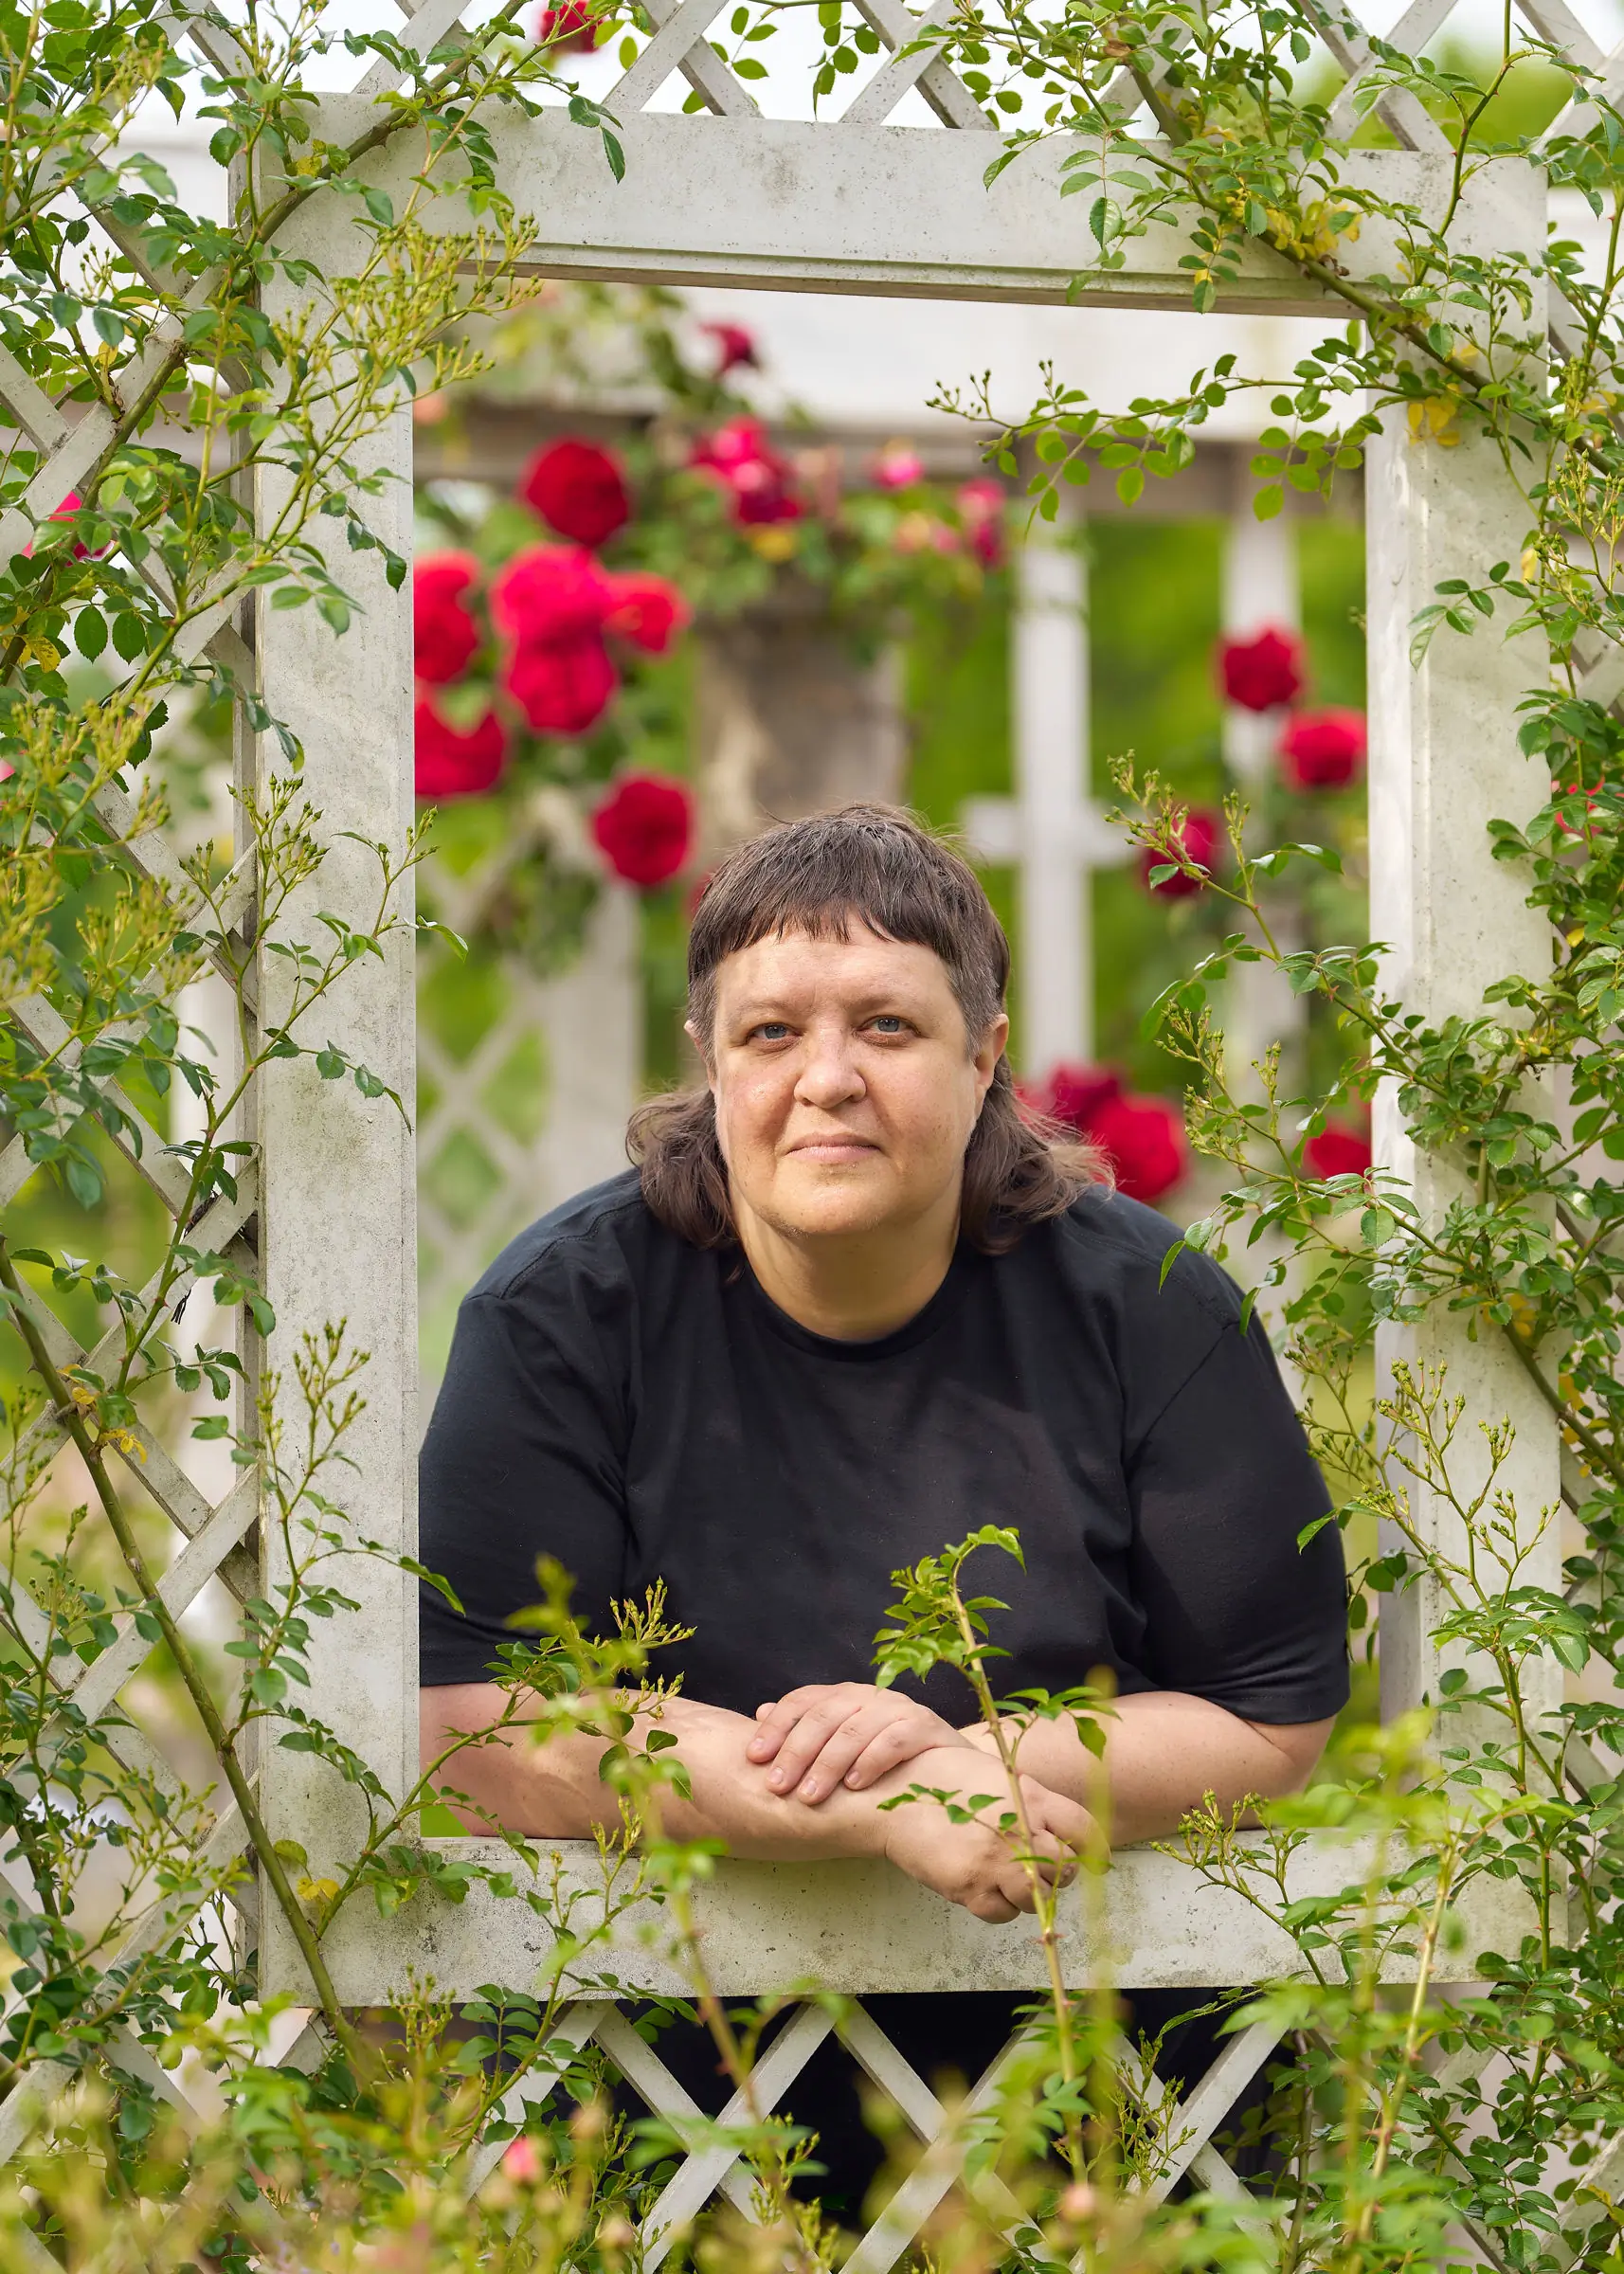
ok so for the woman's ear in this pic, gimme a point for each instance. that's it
(705, 1058)
(987, 1052)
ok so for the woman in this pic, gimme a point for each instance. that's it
(852, 1305)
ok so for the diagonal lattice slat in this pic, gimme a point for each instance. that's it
(210, 1540)
(680, 43)
(946, 93)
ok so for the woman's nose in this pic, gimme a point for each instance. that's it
(829, 1075)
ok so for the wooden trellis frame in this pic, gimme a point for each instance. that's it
(859, 205)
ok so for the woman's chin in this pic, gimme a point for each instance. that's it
(828, 1199)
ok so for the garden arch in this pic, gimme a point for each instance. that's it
(859, 205)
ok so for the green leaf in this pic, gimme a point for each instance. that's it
(83, 1179)
(90, 632)
(129, 636)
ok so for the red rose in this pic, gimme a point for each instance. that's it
(564, 688)
(646, 610)
(1142, 1137)
(734, 347)
(552, 596)
(1263, 673)
(759, 482)
(70, 508)
(1199, 836)
(573, 24)
(645, 827)
(450, 765)
(1337, 1152)
(578, 490)
(1323, 749)
(1076, 1094)
(1145, 1140)
(444, 635)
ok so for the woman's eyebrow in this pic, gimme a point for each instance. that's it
(892, 999)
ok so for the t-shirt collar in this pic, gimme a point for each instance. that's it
(917, 1330)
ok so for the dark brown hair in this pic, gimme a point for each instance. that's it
(877, 866)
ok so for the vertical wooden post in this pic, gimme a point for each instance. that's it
(1050, 721)
(1051, 829)
(1260, 592)
(1444, 762)
(338, 1201)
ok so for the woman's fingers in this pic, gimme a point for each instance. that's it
(781, 1715)
(897, 1742)
(798, 1729)
(1056, 1865)
(824, 1769)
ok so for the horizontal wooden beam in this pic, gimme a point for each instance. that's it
(861, 1927)
(779, 204)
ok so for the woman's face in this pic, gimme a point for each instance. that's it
(846, 1088)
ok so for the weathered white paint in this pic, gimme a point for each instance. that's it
(860, 1927)
(338, 1208)
(1444, 762)
(780, 205)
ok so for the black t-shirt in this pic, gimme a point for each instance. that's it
(637, 1408)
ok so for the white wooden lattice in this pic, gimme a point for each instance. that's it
(516, 1119)
(856, 205)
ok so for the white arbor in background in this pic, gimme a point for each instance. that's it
(516, 1119)
(1051, 830)
(1260, 590)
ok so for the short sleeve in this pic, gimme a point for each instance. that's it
(1223, 1484)
(523, 1458)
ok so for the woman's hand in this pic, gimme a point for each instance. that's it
(834, 1733)
(977, 1865)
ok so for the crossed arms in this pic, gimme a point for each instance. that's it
(805, 1779)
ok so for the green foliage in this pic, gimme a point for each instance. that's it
(1403, 2120)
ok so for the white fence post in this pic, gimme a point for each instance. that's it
(339, 1211)
(1444, 762)
(1051, 829)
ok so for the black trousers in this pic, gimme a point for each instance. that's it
(956, 2034)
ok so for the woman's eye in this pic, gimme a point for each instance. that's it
(888, 1023)
(770, 1030)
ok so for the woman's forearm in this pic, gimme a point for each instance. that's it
(553, 1790)
(1164, 1751)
